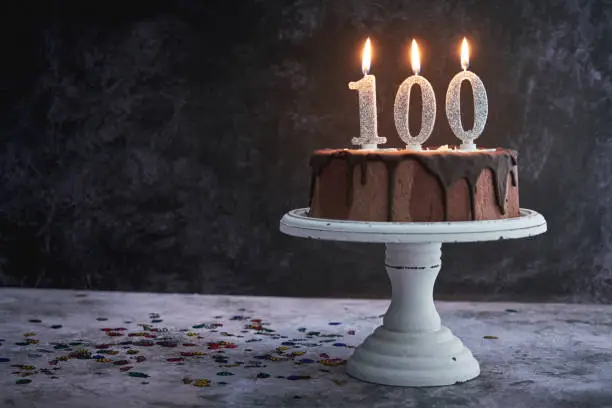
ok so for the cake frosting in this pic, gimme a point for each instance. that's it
(406, 185)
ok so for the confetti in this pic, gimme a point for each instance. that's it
(334, 323)
(126, 368)
(298, 377)
(351, 332)
(109, 352)
(167, 343)
(511, 310)
(57, 326)
(138, 374)
(35, 321)
(121, 362)
(132, 352)
(103, 360)
(332, 362)
(30, 334)
(491, 337)
(224, 373)
(263, 375)
(101, 319)
(192, 353)
(81, 354)
(23, 381)
(306, 360)
(202, 382)
(144, 343)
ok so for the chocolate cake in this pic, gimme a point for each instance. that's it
(414, 186)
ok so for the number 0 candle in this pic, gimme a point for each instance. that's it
(366, 87)
(453, 104)
(402, 104)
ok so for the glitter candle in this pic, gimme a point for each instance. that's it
(402, 104)
(453, 104)
(366, 87)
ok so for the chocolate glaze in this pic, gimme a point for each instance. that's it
(447, 167)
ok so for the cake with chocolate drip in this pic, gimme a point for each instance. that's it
(414, 186)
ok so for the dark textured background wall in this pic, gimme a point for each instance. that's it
(156, 147)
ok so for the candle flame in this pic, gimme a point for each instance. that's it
(366, 57)
(415, 58)
(465, 54)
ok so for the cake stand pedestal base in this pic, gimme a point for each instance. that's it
(412, 348)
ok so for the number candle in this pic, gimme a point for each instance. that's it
(402, 104)
(453, 104)
(366, 87)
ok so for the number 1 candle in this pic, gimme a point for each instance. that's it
(366, 87)
(453, 103)
(402, 104)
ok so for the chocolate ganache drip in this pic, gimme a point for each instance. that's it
(448, 168)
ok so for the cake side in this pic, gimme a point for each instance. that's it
(405, 186)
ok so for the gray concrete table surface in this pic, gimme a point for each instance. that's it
(544, 355)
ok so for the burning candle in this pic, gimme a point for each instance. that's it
(366, 87)
(453, 104)
(402, 104)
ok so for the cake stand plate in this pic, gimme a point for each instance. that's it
(412, 348)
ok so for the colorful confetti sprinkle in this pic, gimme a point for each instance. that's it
(138, 374)
(332, 362)
(23, 381)
(491, 337)
(202, 382)
(298, 377)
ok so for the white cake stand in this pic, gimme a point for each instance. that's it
(412, 348)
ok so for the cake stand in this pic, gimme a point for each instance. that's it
(412, 348)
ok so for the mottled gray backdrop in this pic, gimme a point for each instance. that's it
(154, 148)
